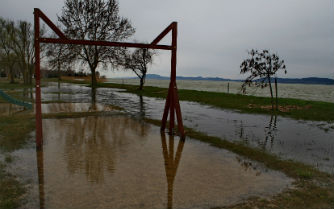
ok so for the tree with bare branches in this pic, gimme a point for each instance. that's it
(263, 66)
(97, 20)
(7, 54)
(138, 62)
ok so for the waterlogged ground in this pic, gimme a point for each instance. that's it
(299, 91)
(120, 162)
(305, 141)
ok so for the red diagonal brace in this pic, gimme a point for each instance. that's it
(163, 33)
(50, 23)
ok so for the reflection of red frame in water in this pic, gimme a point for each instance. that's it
(172, 104)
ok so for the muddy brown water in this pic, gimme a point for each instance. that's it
(121, 162)
(309, 142)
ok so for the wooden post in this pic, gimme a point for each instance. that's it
(39, 131)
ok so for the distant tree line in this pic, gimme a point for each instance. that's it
(16, 50)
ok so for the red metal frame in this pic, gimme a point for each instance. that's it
(172, 105)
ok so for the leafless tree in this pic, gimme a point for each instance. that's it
(263, 66)
(7, 54)
(138, 62)
(24, 49)
(58, 59)
(97, 20)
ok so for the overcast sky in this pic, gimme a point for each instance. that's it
(214, 35)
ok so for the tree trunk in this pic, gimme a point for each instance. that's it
(93, 78)
(11, 76)
(59, 76)
(141, 83)
(26, 73)
(271, 93)
(276, 93)
(30, 74)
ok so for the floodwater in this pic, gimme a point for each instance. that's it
(75, 107)
(121, 162)
(309, 142)
(300, 91)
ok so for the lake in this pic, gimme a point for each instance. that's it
(299, 91)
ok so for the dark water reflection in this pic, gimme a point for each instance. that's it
(171, 163)
(121, 162)
(306, 141)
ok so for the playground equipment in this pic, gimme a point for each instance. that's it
(15, 101)
(172, 105)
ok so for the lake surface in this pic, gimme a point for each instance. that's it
(300, 91)
(305, 141)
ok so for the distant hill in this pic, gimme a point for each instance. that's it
(310, 80)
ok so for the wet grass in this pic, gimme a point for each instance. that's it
(11, 190)
(14, 131)
(14, 134)
(4, 84)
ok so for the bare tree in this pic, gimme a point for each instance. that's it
(96, 20)
(24, 49)
(137, 62)
(263, 66)
(8, 57)
(58, 59)
(17, 48)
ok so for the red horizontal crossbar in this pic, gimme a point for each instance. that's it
(104, 43)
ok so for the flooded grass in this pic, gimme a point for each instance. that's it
(70, 161)
(11, 190)
(14, 131)
(307, 110)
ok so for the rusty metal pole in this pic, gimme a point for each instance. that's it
(39, 128)
(173, 78)
(174, 89)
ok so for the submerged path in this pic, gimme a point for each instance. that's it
(305, 141)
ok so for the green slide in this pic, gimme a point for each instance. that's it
(15, 101)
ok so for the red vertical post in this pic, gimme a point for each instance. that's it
(172, 101)
(173, 78)
(39, 128)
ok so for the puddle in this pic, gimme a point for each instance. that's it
(305, 141)
(120, 162)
